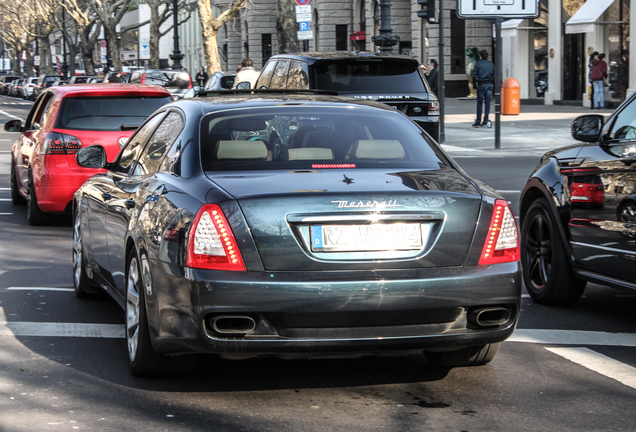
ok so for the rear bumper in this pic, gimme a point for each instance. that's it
(55, 192)
(330, 313)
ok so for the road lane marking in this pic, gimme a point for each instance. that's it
(11, 116)
(39, 289)
(508, 191)
(51, 329)
(573, 337)
(599, 363)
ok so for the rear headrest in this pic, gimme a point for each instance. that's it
(235, 149)
(378, 149)
(309, 153)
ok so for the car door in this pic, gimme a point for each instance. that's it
(603, 239)
(28, 140)
(103, 189)
(137, 192)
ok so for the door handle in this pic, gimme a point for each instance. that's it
(130, 204)
(106, 196)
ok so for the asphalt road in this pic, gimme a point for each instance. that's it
(63, 360)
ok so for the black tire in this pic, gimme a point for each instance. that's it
(626, 212)
(542, 251)
(477, 355)
(142, 358)
(16, 196)
(84, 288)
(34, 214)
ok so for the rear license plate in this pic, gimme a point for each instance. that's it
(375, 237)
(581, 198)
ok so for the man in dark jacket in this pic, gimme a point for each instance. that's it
(432, 76)
(484, 75)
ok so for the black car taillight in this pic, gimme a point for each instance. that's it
(57, 143)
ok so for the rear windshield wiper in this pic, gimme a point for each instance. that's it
(129, 127)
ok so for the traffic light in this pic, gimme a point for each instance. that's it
(428, 10)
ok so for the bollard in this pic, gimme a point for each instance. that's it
(510, 99)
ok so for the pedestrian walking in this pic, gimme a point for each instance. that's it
(246, 73)
(590, 65)
(484, 75)
(599, 73)
(202, 77)
(432, 76)
(115, 77)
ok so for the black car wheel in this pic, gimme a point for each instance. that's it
(16, 196)
(627, 212)
(34, 214)
(142, 358)
(547, 272)
(82, 284)
(470, 356)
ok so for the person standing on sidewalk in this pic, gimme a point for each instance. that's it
(246, 73)
(202, 77)
(484, 74)
(599, 73)
(432, 76)
(590, 65)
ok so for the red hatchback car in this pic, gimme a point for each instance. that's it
(44, 173)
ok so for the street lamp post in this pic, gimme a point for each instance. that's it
(176, 55)
(386, 40)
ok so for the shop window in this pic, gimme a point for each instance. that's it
(341, 37)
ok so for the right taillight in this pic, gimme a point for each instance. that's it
(211, 243)
(502, 242)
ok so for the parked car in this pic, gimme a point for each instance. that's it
(395, 80)
(5, 81)
(28, 86)
(80, 79)
(63, 119)
(294, 226)
(44, 82)
(217, 81)
(541, 82)
(176, 82)
(15, 88)
(577, 211)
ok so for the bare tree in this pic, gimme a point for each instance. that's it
(210, 26)
(88, 27)
(158, 16)
(286, 27)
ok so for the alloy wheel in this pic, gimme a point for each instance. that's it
(133, 311)
(77, 250)
(538, 251)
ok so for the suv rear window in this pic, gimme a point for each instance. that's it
(313, 137)
(106, 113)
(171, 79)
(368, 75)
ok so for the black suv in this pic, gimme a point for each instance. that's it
(394, 80)
(44, 82)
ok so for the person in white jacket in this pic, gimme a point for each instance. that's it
(247, 73)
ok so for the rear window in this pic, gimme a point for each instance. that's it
(368, 75)
(180, 80)
(314, 137)
(106, 113)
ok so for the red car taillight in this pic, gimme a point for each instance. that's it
(57, 143)
(211, 243)
(433, 106)
(502, 242)
(143, 78)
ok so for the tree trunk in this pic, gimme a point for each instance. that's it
(287, 27)
(210, 27)
(153, 42)
(87, 54)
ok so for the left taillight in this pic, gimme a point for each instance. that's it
(433, 107)
(502, 242)
(211, 243)
(57, 143)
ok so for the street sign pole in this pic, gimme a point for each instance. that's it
(498, 69)
(440, 75)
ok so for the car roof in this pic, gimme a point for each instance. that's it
(264, 98)
(341, 55)
(109, 89)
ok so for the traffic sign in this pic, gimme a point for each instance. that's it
(303, 9)
(498, 9)
(305, 35)
(302, 2)
(303, 17)
(102, 43)
(304, 26)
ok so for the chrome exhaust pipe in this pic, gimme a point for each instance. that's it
(489, 316)
(233, 324)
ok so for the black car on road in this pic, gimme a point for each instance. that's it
(294, 226)
(577, 211)
(391, 79)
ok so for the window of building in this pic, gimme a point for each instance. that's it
(266, 43)
(458, 44)
(341, 37)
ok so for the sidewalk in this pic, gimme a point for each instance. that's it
(536, 130)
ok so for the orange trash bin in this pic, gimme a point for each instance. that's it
(510, 97)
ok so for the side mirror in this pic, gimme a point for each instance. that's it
(244, 85)
(13, 126)
(587, 128)
(92, 157)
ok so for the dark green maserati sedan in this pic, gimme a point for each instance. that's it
(296, 226)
